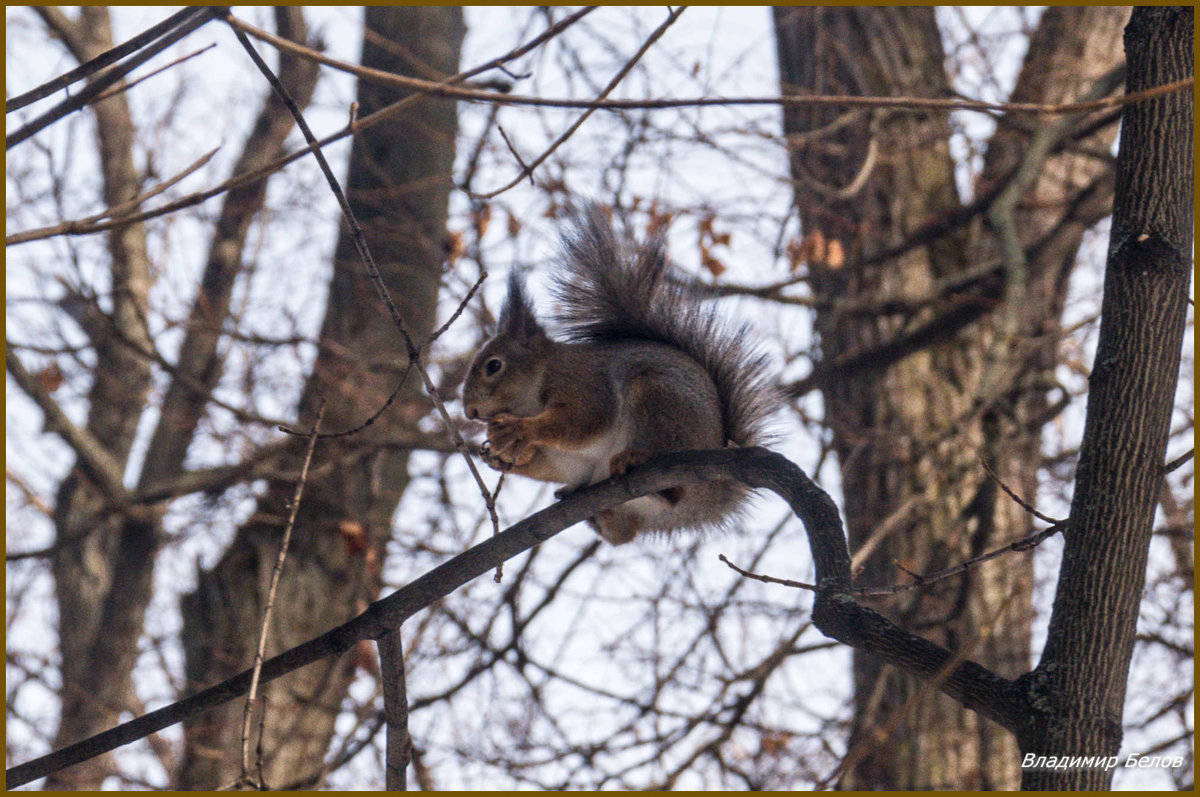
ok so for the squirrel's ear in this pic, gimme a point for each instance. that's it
(516, 317)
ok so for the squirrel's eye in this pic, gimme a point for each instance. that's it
(493, 366)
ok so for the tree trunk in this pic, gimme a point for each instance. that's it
(102, 564)
(1081, 678)
(104, 578)
(398, 186)
(909, 434)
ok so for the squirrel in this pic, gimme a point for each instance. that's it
(642, 368)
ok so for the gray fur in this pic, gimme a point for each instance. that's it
(608, 293)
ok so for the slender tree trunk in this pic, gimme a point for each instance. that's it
(104, 569)
(909, 434)
(1084, 669)
(102, 564)
(399, 181)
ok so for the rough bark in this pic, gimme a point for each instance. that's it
(909, 436)
(398, 187)
(1079, 685)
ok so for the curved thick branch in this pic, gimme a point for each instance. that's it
(835, 611)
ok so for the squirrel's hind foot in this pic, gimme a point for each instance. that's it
(632, 457)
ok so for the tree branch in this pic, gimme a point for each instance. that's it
(198, 366)
(973, 298)
(99, 62)
(527, 169)
(835, 611)
(445, 89)
(395, 711)
(356, 125)
(196, 18)
(104, 471)
(276, 572)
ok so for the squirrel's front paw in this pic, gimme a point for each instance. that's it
(491, 460)
(509, 439)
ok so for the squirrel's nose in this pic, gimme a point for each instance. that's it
(472, 411)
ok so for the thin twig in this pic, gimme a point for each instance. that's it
(1011, 494)
(355, 125)
(767, 579)
(370, 419)
(1178, 462)
(1023, 544)
(527, 171)
(260, 653)
(78, 226)
(115, 90)
(886, 527)
(919, 580)
(458, 310)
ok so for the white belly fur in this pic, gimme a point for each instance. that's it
(589, 464)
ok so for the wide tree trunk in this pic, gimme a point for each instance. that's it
(909, 431)
(398, 186)
(1081, 679)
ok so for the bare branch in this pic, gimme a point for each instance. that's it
(94, 459)
(787, 582)
(835, 611)
(276, 572)
(82, 226)
(413, 350)
(99, 62)
(919, 581)
(1011, 494)
(196, 18)
(445, 89)
(441, 89)
(527, 170)
(395, 710)
(1179, 461)
(1023, 544)
(123, 87)
(355, 125)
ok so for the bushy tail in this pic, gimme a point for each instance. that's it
(613, 290)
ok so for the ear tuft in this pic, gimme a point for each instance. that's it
(517, 318)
